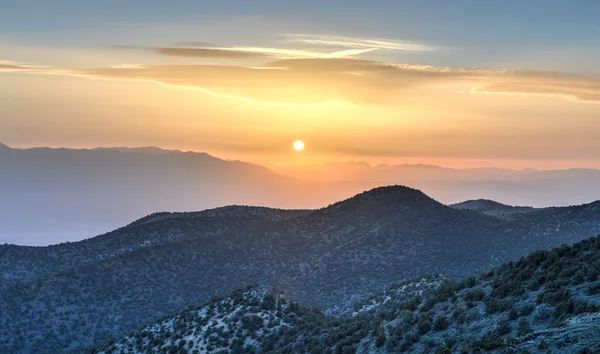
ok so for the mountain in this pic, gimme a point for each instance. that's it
(452, 185)
(73, 194)
(104, 287)
(4, 147)
(153, 150)
(548, 301)
(69, 194)
(362, 171)
(492, 208)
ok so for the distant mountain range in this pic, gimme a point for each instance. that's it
(79, 294)
(451, 185)
(70, 194)
(56, 195)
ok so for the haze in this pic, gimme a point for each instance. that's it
(511, 86)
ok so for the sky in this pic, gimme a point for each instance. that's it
(512, 84)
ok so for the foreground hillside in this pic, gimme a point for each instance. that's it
(81, 294)
(547, 302)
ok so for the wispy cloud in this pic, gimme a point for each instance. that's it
(322, 80)
(313, 78)
(352, 42)
(128, 66)
(339, 47)
(293, 53)
(7, 65)
(580, 92)
(248, 52)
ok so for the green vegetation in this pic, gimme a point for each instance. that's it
(546, 301)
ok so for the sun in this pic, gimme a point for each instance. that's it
(298, 145)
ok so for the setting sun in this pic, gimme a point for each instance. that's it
(298, 145)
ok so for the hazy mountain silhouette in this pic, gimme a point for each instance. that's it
(450, 185)
(362, 171)
(108, 285)
(55, 195)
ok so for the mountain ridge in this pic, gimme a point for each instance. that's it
(120, 184)
(320, 258)
(493, 208)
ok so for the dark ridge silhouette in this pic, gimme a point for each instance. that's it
(484, 205)
(493, 208)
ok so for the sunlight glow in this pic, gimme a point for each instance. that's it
(298, 145)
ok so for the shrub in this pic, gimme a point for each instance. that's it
(493, 305)
(443, 349)
(423, 326)
(410, 339)
(526, 309)
(474, 295)
(488, 341)
(523, 327)
(380, 340)
(593, 289)
(440, 323)
(503, 328)
(513, 314)
(555, 297)
(459, 315)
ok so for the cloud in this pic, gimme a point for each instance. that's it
(579, 90)
(303, 79)
(247, 52)
(330, 64)
(357, 47)
(322, 80)
(285, 87)
(350, 42)
(6, 66)
(206, 52)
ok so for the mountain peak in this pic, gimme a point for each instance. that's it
(386, 197)
(493, 208)
(394, 192)
(479, 205)
(484, 205)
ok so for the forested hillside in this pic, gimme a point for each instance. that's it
(547, 302)
(77, 295)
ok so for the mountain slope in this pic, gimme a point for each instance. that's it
(547, 301)
(106, 286)
(492, 208)
(234, 323)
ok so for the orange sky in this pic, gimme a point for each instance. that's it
(347, 103)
